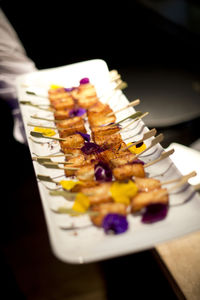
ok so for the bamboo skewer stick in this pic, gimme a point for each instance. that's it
(154, 142)
(52, 156)
(47, 161)
(35, 94)
(196, 186)
(120, 86)
(41, 126)
(138, 115)
(146, 136)
(182, 180)
(40, 135)
(46, 178)
(39, 106)
(132, 116)
(158, 139)
(46, 119)
(136, 119)
(162, 156)
(114, 75)
(56, 165)
(131, 104)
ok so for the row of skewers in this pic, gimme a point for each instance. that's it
(105, 176)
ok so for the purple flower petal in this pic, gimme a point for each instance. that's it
(84, 80)
(137, 161)
(77, 112)
(86, 136)
(154, 213)
(102, 172)
(115, 223)
(70, 89)
(91, 148)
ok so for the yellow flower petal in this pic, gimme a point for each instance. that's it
(81, 203)
(121, 192)
(55, 86)
(45, 131)
(68, 184)
(136, 150)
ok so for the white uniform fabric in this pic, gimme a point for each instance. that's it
(13, 62)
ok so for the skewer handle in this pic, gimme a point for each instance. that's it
(146, 136)
(184, 179)
(154, 142)
(133, 103)
(162, 156)
(40, 135)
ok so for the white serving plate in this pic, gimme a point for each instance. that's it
(91, 244)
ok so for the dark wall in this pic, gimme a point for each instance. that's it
(124, 33)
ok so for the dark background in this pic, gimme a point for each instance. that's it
(123, 34)
(128, 36)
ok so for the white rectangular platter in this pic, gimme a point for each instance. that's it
(92, 244)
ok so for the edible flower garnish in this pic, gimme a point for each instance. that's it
(77, 112)
(86, 136)
(84, 80)
(69, 184)
(91, 148)
(154, 213)
(115, 223)
(81, 203)
(70, 89)
(121, 192)
(138, 148)
(55, 86)
(137, 161)
(102, 172)
(45, 131)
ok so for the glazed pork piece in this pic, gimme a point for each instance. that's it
(78, 162)
(116, 150)
(103, 130)
(86, 102)
(86, 90)
(63, 104)
(142, 199)
(86, 172)
(105, 208)
(86, 95)
(107, 140)
(70, 150)
(73, 141)
(100, 107)
(71, 126)
(62, 114)
(147, 184)
(98, 119)
(108, 135)
(85, 184)
(122, 159)
(99, 193)
(57, 94)
(128, 171)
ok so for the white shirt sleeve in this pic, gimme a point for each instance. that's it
(13, 62)
(13, 58)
